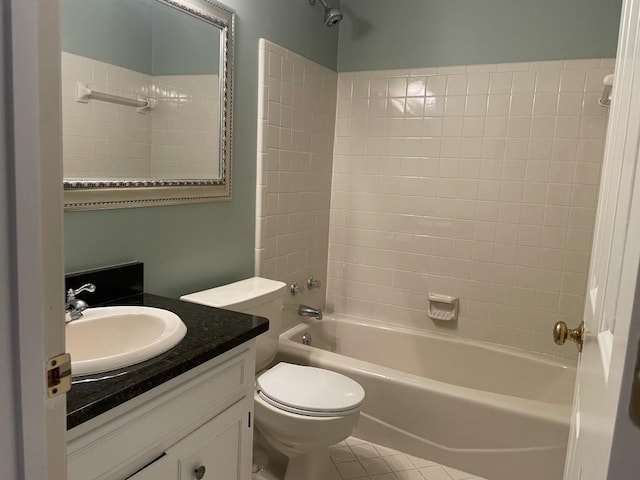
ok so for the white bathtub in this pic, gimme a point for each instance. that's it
(495, 412)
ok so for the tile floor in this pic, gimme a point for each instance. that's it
(356, 459)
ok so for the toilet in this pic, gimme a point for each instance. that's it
(301, 411)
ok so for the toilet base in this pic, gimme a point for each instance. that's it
(303, 440)
(309, 466)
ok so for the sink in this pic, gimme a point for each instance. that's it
(107, 338)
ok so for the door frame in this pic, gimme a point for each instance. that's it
(9, 397)
(35, 229)
(623, 461)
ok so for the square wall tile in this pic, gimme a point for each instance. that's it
(485, 180)
(301, 120)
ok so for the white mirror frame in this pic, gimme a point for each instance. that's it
(99, 195)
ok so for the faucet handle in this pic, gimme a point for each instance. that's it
(313, 283)
(87, 287)
(295, 288)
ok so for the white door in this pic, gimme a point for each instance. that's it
(604, 442)
(35, 263)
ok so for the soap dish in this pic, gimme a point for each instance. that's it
(443, 308)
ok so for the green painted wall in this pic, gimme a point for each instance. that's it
(141, 35)
(383, 34)
(174, 36)
(111, 31)
(191, 247)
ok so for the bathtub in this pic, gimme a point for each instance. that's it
(491, 411)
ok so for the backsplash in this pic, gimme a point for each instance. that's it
(104, 140)
(475, 181)
(112, 283)
(296, 124)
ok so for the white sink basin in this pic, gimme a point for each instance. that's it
(106, 338)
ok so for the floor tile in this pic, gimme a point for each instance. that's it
(357, 459)
(349, 470)
(420, 462)
(435, 472)
(385, 476)
(375, 465)
(386, 451)
(341, 454)
(409, 475)
(355, 441)
(333, 473)
(457, 474)
(399, 462)
(365, 450)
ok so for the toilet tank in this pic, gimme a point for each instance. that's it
(255, 296)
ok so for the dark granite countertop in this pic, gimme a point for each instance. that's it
(210, 332)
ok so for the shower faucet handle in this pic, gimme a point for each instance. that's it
(313, 283)
(295, 288)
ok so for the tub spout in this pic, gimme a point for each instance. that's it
(307, 311)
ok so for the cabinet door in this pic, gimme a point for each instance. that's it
(220, 449)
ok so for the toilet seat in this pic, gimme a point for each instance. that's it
(309, 391)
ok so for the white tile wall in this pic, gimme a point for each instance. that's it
(296, 124)
(177, 139)
(479, 182)
(103, 140)
(185, 126)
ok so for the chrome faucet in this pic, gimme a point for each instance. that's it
(307, 311)
(74, 306)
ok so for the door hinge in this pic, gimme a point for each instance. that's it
(58, 375)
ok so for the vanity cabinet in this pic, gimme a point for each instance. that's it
(195, 426)
(214, 451)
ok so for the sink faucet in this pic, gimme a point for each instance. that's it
(307, 311)
(74, 306)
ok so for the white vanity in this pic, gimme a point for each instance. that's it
(184, 414)
(195, 424)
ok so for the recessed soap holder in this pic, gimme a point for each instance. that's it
(443, 308)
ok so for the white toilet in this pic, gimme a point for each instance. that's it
(300, 410)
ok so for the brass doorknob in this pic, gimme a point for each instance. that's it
(561, 332)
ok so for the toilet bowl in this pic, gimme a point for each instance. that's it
(301, 411)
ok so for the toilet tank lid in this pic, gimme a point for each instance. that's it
(239, 295)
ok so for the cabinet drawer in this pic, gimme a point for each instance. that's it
(121, 446)
(162, 469)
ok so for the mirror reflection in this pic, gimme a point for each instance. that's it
(142, 94)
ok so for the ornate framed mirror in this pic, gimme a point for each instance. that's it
(147, 102)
